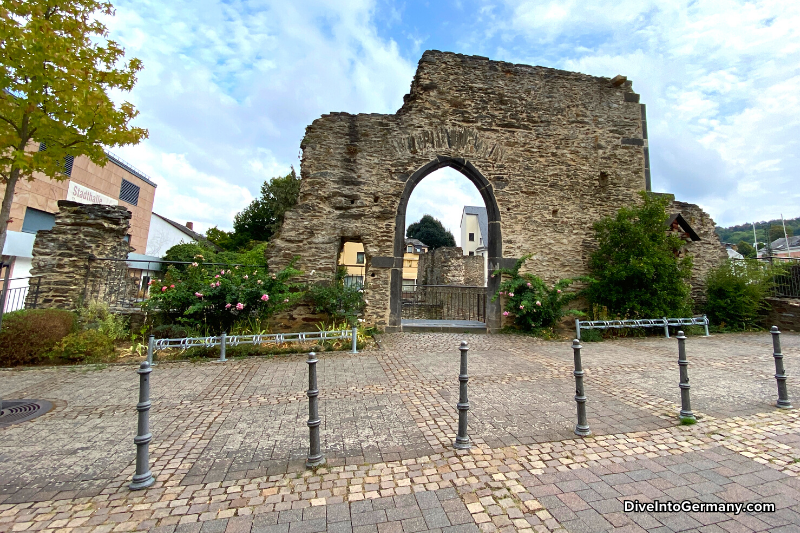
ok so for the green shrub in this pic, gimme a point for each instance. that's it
(84, 346)
(28, 335)
(532, 304)
(736, 292)
(337, 300)
(96, 315)
(636, 269)
(212, 298)
(170, 331)
(591, 335)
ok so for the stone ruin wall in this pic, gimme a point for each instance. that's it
(706, 253)
(449, 266)
(60, 255)
(560, 150)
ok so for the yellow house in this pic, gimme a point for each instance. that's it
(352, 257)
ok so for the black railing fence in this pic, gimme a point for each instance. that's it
(444, 302)
(786, 285)
(22, 293)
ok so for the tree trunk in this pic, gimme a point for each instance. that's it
(5, 211)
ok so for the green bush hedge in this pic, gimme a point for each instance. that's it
(28, 335)
(736, 292)
(86, 346)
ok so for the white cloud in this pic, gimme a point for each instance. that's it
(427, 199)
(227, 90)
(720, 79)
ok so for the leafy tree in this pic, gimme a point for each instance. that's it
(262, 219)
(746, 249)
(189, 252)
(636, 267)
(776, 232)
(227, 240)
(430, 231)
(55, 75)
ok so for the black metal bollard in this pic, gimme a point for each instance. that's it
(143, 478)
(686, 406)
(780, 373)
(462, 439)
(314, 453)
(582, 428)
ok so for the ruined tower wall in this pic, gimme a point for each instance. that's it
(560, 150)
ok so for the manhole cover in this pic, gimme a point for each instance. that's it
(16, 411)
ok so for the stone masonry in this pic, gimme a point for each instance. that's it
(706, 253)
(61, 255)
(449, 266)
(550, 151)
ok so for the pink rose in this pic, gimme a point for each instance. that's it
(511, 294)
(240, 306)
(172, 286)
(163, 289)
(538, 302)
(505, 313)
(199, 294)
(221, 272)
(213, 284)
(286, 301)
(264, 298)
(215, 277)
(559, 291)
(194, 264)
(522, 307)
(227, 306)
(218, 284)
(245, 276)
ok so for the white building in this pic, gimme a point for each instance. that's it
(474, 232)
(165, 233)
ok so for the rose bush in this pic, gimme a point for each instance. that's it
(531, 303)
(213, 298)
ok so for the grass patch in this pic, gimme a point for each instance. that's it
(686, 421)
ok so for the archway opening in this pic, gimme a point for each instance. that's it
(464, 200)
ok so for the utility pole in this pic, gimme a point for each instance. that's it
(755, 239)
(785, 236)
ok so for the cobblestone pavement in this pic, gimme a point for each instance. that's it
(230, 441)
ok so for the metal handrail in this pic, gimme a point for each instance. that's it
(642, 323)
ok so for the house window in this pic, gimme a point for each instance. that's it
(471, 237)
(359, 258)
(127, 238)
(129, 192)
(410, 249)
(354, 281)
(472, 253)
(36, 220)
(68, 160)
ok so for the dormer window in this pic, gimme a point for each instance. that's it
(410, 249)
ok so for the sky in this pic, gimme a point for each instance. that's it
(229, 87)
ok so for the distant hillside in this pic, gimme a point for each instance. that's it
(744, 232)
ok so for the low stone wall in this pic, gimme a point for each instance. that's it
(449, 266)
(61, 254)
(784, 313)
